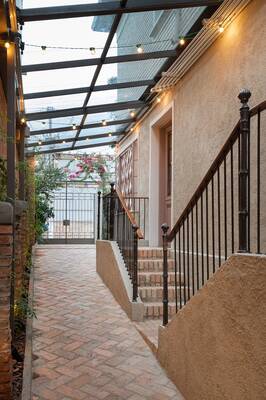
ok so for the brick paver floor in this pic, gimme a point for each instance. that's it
(84, 346)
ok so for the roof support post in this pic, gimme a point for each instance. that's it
(22, 164)
(11, 122)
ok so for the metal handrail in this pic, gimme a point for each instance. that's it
(207, 229)
(213, 168)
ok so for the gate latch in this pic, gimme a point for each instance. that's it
(66, 222)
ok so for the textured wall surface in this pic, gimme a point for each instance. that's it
(205, 104)
(110, 267)
(215, 347)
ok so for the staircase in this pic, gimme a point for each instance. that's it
(150, 280)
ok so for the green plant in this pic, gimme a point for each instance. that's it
(48, 178)
(22, 310)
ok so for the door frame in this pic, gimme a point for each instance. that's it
(163, 119)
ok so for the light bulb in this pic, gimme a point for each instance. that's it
(131, 129)
(63, 141)
(132, 114)
(158, 99)
(140, 48)
(74, 126)
(40, 142)
(104, 122)
(7, 45)
(93, 51)
(23, 120)
(182, 41)
(109, 134)
(220, 28)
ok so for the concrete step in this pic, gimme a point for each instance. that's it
(155, 293)
(151, 252)
(154, 265)
(155, 310)
(156, 278)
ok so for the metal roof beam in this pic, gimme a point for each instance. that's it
(88, 126)
(107, 8)
(95, 61)
(80, 138)
(98, 88)
(69, 112)
(59, 150)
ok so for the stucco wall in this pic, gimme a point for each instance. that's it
(110, 267)
(215, 347)
(205, 105)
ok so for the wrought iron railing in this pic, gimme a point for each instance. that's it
(225, 214)
(119, 224)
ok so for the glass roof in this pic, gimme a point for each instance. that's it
(137, 49)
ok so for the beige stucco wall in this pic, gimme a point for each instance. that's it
(110, 267)
(205, 105)
(215, 347)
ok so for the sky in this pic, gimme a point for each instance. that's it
(76, 32)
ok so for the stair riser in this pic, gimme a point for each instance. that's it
(154, 265)
(156, 280)
(154, 312)
(151, 253)
(156, 294)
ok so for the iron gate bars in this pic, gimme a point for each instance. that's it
(226, 209)
(120, 225)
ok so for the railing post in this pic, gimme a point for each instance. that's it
(99, 216)
(112, 212)
(165, 228)
(244, 96)
(135, 262)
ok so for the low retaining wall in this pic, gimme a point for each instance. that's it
(111, 268)
(215, 347)
(6, 255)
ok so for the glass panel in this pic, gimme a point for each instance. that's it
(114, 96)
(55, 103)
(57, 79)
(51, 136)
(54, 123)
(130, 71)
(95, 142)
(108, 116)
(50, 147)
(52, 3)
(102, 130)
(63, 40)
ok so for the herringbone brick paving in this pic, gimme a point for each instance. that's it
(84, 346)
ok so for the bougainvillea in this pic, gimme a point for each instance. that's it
(95, 167)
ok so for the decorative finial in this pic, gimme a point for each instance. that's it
(244, 96)
(165, 228)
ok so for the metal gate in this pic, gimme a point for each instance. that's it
(74, 206)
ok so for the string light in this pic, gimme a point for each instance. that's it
(131, 129)
(109, 134)
(40, 142)
(132, 114)
(104, 123)
(139, 48)
(43, 48)
(87, 138)
(158, 99)
(182, 41)
(220, 28)
(23, 120)
(93, 51)
(7, 45)
(74, 127)
(63, 141)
